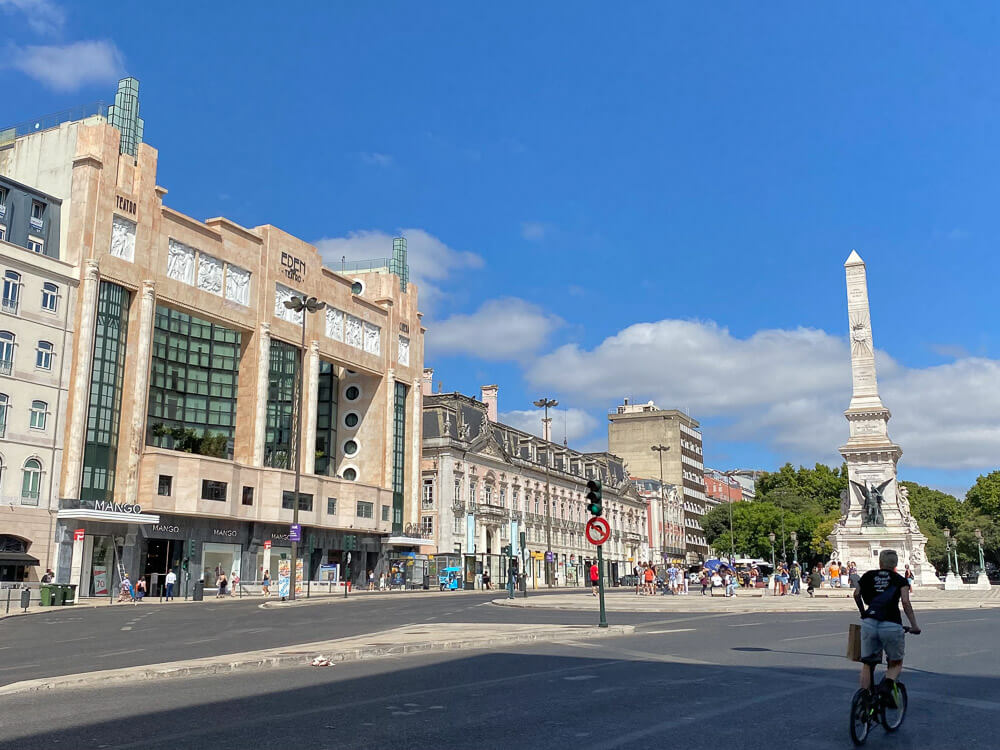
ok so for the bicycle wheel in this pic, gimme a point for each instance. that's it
(892, 718)
(860, 717)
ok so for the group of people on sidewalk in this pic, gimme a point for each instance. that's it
(649, 579)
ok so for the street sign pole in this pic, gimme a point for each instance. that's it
(600, 586)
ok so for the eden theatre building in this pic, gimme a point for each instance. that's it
(181, 410)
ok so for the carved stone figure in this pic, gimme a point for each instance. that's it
(903, 500)
(282, 293)
(209, 274)
(447, 423)
(237, 285)
(334, 324)
(123, 238)
(403, 355)
(845, 503)
(354, 335)
(180, 262)
(372, 333)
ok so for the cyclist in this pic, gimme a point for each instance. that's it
(878, 596)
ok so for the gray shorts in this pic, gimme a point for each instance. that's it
(877, 635)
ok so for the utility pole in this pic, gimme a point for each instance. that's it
(545, 403)
(304, 305)
(661, 449)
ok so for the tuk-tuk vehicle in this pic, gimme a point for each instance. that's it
(450, 579)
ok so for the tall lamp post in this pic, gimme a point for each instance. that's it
(982, 560)
(732, 534)
(795, 546)
(947, 542)
(300, 304)
(661, 449)
(771, 537)
(546, 403)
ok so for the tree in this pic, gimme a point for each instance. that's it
(752, 522)
(984, 495)
(803, 490)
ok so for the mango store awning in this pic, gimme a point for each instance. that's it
(87, 514)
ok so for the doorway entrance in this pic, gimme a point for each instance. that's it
(162, 555)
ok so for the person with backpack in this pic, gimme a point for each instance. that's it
(878, 597)
(595, 578)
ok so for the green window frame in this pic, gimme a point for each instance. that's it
(279, 444)
(326, 419)
(398, 457)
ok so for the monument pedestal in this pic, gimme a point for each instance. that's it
(862, 544)
(983, 582)
(953, 583)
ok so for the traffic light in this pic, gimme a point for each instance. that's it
(595, 501)
(507, 550)
(184, 564)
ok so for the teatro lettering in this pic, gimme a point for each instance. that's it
(294, 268)
(110, 507)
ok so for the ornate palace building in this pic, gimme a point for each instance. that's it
(485, 482)
(179, 442)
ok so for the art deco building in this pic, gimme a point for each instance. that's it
(179, 443)
(485, 482)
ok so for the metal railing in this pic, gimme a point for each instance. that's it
(9, 305)
(6, 366)
(46, 122)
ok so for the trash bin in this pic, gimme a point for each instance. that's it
(45, 592)
(69, 593)
(199, 591)
(58, 594)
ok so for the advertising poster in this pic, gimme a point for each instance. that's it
(298, 576)
(284, 576)
(100, 580)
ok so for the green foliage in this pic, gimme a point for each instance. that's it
(984, 495)
(188, 440)
(752, 522)
(810, 491)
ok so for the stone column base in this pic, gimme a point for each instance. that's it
(982, 583)
(953, 583)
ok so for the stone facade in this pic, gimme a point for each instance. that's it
(477, 468)
(632, 431)
(875, 508)
(216, 273)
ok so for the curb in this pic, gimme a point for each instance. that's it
(738, 609)
(301, 655)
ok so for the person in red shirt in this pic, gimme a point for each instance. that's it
(595, 577)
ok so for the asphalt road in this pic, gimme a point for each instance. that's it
(740, 682)
(68, 641)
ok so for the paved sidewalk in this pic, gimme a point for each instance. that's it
(395, 642)
(825, 601)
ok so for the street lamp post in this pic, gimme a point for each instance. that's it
(795, 546)
(546, 403)
(303, 305)
(947, 542)
(982, 560)
(732, 534)
(661, 449)
(771, 537)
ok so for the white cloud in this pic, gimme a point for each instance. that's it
(68, 67)
(42, 16)
(505, 328)
(571, 423)
(533, 231)
(431, 260)
(376, 159)
(784, 388)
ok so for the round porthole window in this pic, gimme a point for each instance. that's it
(351, 419)
(352, 393)
(350, 447)
(350, 474)
(357, 287)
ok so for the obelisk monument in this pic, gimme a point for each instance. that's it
(875, 508)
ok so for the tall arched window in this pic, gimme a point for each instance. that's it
(11, 291)
(43, 355)
(6, 352)
(31, 481)
(50, 296)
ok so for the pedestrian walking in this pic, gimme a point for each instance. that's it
(221, 583)
(171, 581)
(796, 575)
(908, 575)
(704, 580)
(486, 579)
(371, 580)
(853, 577)
(381, 581)
(815, 581)
(638, 580)
(48, 577)
(265, 584)
(140, 589)
(595, 578)
(649, 580)
(125, 593)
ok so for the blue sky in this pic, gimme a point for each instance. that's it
(651, 200)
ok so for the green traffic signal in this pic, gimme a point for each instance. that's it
(595, 500)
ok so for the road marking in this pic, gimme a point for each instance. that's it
(660, 632)
(127, 627)
(72, 640)
(973, 653)
(20, 666)
(746, 624)
(820, 635)
(576, 677)
(118, 653)
(203, 640)
(949, 622)
(631, 737)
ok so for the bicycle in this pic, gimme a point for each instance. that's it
(869, 707)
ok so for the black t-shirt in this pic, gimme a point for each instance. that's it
(880, 590)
